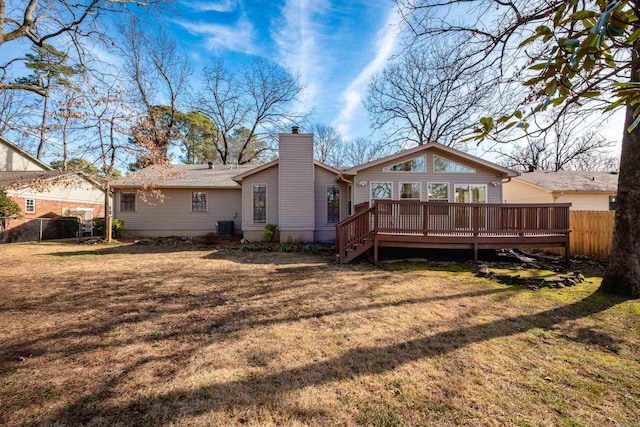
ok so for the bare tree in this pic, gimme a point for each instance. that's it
(567, 147)
(429, 95)
(59, 23)
(157, 72)
(260, 99)
(358, 151)
(327, 143)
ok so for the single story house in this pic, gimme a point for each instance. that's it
(303, 197)
(584, 190)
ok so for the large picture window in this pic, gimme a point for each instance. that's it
(260, 203)
(438, 192)
(416, 164)
(442, 165)
(127, 202)
(198, 202)
(333, 204)
(469, 193)
(380, 190)
(410, 190)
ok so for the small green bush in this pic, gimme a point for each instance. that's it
(269, 232)
(117, 227)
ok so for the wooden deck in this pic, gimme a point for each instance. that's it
(415, 224)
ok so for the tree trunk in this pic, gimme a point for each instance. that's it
(45, 112)
(623, 274)
(107, 214)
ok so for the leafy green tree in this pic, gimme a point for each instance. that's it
(582, 54)
(197, 134)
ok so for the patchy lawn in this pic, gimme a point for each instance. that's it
(158, 335)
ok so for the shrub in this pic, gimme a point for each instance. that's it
(117, 227)
(269, 232)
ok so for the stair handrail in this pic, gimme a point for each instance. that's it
(354, 230)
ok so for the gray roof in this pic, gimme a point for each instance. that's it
(19, 178)
(572, 180)
(184, 176)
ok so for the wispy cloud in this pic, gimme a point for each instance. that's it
(298, 35)
(236, 37)
(351, 98)
(211, 6)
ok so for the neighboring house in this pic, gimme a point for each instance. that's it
(584, 190)
(45, 193)
(303, 197)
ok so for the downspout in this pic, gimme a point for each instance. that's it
(342, 178)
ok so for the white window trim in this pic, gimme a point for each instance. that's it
(266, 204)
(371, 199)
(472, 170)
(135, 201)
(424, 158)
(448, 184)
(486, 191)
(326, 199)
(26, 204)
(206, 202)
(400, 184)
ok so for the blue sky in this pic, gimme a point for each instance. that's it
(336, 46)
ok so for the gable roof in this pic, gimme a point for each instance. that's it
(184, 176)
(572, 181)
(435, 146)
(24, 154)
(18, 179)
(239, 178)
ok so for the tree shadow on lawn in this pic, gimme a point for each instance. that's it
(266, 390)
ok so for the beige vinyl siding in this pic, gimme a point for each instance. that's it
(268, 177)
(323, 179)
(74, 190)
(516, 191)
(172, 216)
(482, 176)
(12, 160)
(296, 178)
(586, 201)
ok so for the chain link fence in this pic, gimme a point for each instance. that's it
(14, 230)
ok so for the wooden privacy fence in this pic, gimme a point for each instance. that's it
(591, 233)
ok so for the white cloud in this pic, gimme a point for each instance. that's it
(351, 98)
(298, 34)
(211, 6)
(236, 37)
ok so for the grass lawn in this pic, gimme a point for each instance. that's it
(151, 335)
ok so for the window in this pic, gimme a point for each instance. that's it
(612, 203)
(410, 190)
(442, 165)
(30, 206)
(438, 192)
(127, 202)
(414, 165)
(333, 203)
(380, 190)
(469, 193)
(260, 203)
(198, 202)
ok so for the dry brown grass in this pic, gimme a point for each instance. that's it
(152, 335)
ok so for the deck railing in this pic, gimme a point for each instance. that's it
(488, 219)
(470, 221)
